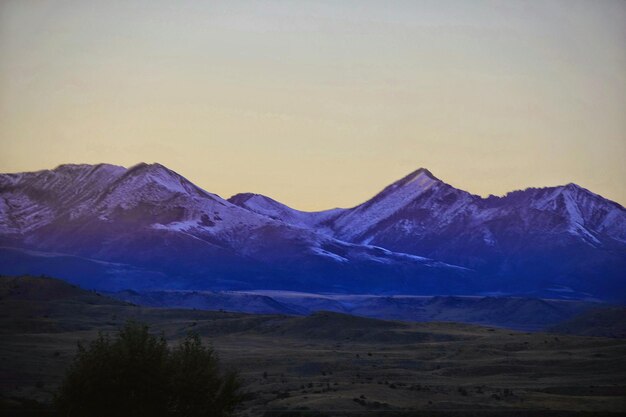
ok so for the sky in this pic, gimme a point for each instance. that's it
(320, 104)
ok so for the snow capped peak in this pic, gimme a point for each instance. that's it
(588, 212)
(34, 199)
(420, 178)
(393, 199)
(150, 183)
(421, 172)
(159, 176)
(575, 189)
(409, 187)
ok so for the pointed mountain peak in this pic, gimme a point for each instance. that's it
(422, 171)
(572, 186)
(573, 190)
(406, 188)
(158, 174)
(421, 176)
(582, 192)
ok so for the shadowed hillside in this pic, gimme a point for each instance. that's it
(605, 322)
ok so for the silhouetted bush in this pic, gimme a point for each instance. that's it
(136, 374)
(198, 388)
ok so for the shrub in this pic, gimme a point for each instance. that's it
(135, 374)
(198, 388)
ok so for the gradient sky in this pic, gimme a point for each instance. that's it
(320, 104)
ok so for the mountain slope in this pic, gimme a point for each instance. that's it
(559, 237)
(148, 220)
(421, 206)
(266, 206)
(418, 236)
(602, 322)
(550, 241)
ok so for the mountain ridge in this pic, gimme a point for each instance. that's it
(149, 218)
(414, 233)
(6, 175)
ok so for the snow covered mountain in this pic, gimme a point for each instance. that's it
(148, 227)
(419, 209)
(418, 202)
(563, 240)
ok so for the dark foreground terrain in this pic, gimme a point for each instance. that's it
(325, 363)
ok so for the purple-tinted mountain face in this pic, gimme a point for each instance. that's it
(110, 227)
(564, 239)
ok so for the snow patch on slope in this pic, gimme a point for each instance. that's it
(333, 256)
(266, 206)
(391, 200)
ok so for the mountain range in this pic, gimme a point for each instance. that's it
(148, 228)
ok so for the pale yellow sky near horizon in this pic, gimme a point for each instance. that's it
(320, 104)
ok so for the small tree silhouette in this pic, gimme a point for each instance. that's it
(197, 386)
(136, 375)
